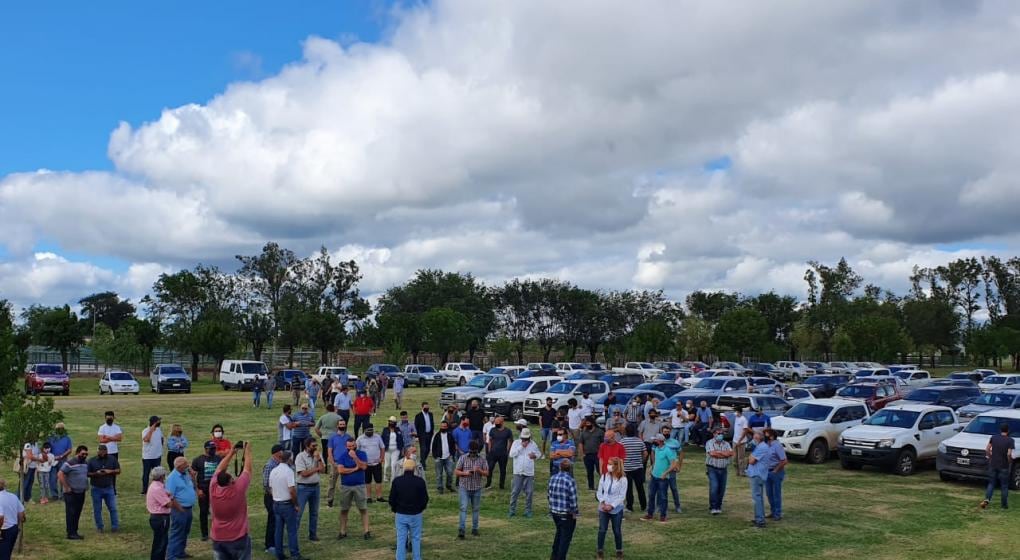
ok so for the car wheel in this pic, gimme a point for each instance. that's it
(850, 465)
(67, 393)
(224, 385)
(1014, 478)
(461, 381)
(188, 390)
(818, 452)
(100, 390)
(516, 412)
(906, 462)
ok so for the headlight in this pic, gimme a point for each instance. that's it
(796, 433)
(500, 401)
(839, 440)
(886, 442)
(942, 447)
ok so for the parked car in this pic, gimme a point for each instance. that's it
(952, 382)
(550, 369)
(422, 375)
(819, 367)
(986, 372)
(566, 368)
(875, 395)
(671, 376)
(953, 397)
(585, 375)
(795, 395)
(669, 405)
(286, 379)
(646, 369)
(767, 386)
(563, 392)
(715, 386)
(992, 400)
(969, 375)
(47, 378)
(811, 429)
(597, 367)
(963, 455)
(737, 369)
(512, 371)
(473, 391)
(622, 380)
(825, 385)
(764, 369)
(666, 388)
(166, 378)
(901, 367)
(870, 372)
(118, 382)
(334, 372)
(898, 437)
(509, 402)
(668, 366)
(374, 370)
(797, 370)
(914, 377)
(726, 405)
(843, 367)
(241, 374)
(460, 373)
(690, 382)
(624, 396)
(695, 366)
(1001, 381)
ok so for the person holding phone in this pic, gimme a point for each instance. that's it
(470, 470)
(152, 449)
(103, 471)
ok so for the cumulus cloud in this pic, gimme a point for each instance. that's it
(569, 139)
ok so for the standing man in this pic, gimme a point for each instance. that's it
(462, 436)
(616, 423)
(476, 421)
(12, 516)
(181, 487)
(325, 426)
(703, 424)
(589, 441)
(610, 448)
(284, 489)
(633, 467)
(575, 416)
(352, 488)
(740, 439)
(524, 453)
(372, 447)
(61, 447)
(1000, 456)
(285, 426)
(398, 391)
(407, 431)
(562, 449)
(678, 421)
(229, 504)
(202, 470)
(312, 389)
(563, 509)
(343, 378)
(759, 420)
(443, 447)
(758, 474)
(256, 391)
(424, 426)
(470, 470)
(718, 454)
(337, 448)
(664, 462)
(498, 452)
(363, 407)
(267, 498)
(270, 390)
(297, 386)
(103, 471)
(393, 439)
(152, 449)
(409, 496)
(309, 465)
(342, 403)
(776, 464)
(111, 435)
(546, 417)
(587, 404)
(650, 427)
(73, 477)
(303, 423)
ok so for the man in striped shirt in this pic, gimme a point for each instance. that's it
(634, 467)
(267, 499)
(563, 508)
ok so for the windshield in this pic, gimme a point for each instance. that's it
(857, 391)
(520, 385)
(596, 367)
(996, 399)
(817, 380)
(808, 411)
(172, 370)
(468, 367)
(995, 380)
(386, 368)
(426, 369)
(645, 365)
(893, 418)
(121, 376)
(798, 393)
(865, 372)
(923, 395)
(480, 381)
(989, 426)
(496, 370)
(712, 384)
(563, 388)
(257, 367)
(48, 369)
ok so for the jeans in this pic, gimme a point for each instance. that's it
(444, 465)
(74, 502)
(147, 466)
(636, 481)
(591, 465)
(269, 399)
(474, 499)
(160, 525)
(657, 497)
(180, 527)
(565, 525)
(716, 487)
(26, 488)
(99, 497)
(671, 483)
(604, 520)
(256, 398)
(286, 518)
(408, 525)
(1000, 477)
(44, 485)
(757, 495)
(232, 550)
(10, 538)
(522, 483)
(497, 459)
(774, 489)
(270, 538)
(309, 495)
(311, 403)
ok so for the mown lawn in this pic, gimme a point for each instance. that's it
(829, 512)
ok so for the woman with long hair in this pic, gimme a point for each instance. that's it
(611, 493)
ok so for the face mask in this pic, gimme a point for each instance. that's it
(217, 434)
(83, 456)
(443, 430)
(426, 409)
(392, 424)
(61, 432)
(369, 433)
(609, 468)
(109, 421)
(718, 437)
(563, 438)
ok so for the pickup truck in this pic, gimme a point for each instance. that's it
(963, 455)
(460, 373)
(644, 368)
(334, 372)
(716, 386)
(169, 377)
(561, 393)
(422, 375)
(764, 369)
(811, 429)
(566, 368)
(474, 391)
(509, 402)
(897, 437)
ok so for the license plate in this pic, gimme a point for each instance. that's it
(855, 451)
(962, 461)
(176, 384)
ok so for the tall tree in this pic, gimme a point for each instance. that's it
(742, 332)
(710, 306)
(12, 357)
(330, 300)
(695, 338)
(829, 291)
(56, 328)
(446, 331)
(268, 277)
(106, 308)
(780, 313)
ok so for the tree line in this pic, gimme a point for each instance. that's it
(970, 305)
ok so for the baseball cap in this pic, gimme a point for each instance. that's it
(276, 449)
(210, 444)
(526, 433)
(521, 422)
(410, 465)
(392, 419)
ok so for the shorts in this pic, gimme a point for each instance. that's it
(354, 494)
(373, 473)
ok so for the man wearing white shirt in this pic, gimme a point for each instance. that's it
(587, 405)
(12, 515)
(110, 435)
(152, 449)
(283, 486)
(524, 453)
(574, 417)
(678, 421)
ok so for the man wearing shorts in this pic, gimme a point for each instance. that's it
(352, 487)
(371, 445)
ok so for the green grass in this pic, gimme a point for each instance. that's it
(829, 512)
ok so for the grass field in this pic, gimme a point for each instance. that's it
(830, 513)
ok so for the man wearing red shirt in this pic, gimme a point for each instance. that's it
(363, 406)
(227, 499)
(610, 448)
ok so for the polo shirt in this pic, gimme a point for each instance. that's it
(229, 507)
(356, 478)
(110, 431)
(281, 480)
(648, 428)
(303, 429)
(60, 445)
(776, 454)
(303, 462)
(10, 507)
(154, 448)
(462, 437)
(76, 473)
(371, 447)
(759, 469)
(181, 488)
(327, 423)
(98, 463)
(759, 421)
(338, 443)
(363, 406)
(705, 414)
(157, 501)
(664, 457)
(558, 445)
(342, 401)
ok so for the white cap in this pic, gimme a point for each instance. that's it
(526, 433)
(521, 422)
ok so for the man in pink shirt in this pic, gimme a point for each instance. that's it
(229, 505)
(157, 502)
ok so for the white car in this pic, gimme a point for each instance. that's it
(963, 455)
(241, 374)
(799, 370)
(118, 382)
(811, 429)
(459, 373)
(915, 378)
(334, 372)
(649, 371)
(897, 437)
(1000, 381)
(795, 395)
(509, 402)
(567, 368)
(562, 392)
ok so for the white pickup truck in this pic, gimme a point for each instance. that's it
(898, 436)
(811, 429)
(334, 372)
(567, 368)
(644, 368)
(460, 372)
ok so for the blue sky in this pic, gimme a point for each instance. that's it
(71, 70)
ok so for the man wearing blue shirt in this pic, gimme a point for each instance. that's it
(703, 423)
(759, 420)
(757, 473)
(352, 465)
(462, 436)
(180, 485)
(337, 449)
(304, 421)
(561, 451)
(342, 402)
(776, 464)
(60, 447)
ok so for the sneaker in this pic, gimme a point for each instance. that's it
(983, 504)
(370, 500)
(460, 535)
(383, 500)
(368, 536)
(647, 518)
(341, 536)
(759, 525)
(313, 539)
(677, 510)
(662, 519)
(474, 532)
(271, 551)
(329, 504)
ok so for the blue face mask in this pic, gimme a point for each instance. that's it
(718, 437)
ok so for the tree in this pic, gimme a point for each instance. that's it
(962, 278)
(829, 290)
(710, 306)
(106, 308)
(56, 328)
(741, 332)
(695, 338)
(446, 331)
(502, 349)
(932, 323)
(115, 348)
(215, 335)
(780, 313)
(268, 277)
(328, 300)
(650, 340)
(12, 357)
(513, 301)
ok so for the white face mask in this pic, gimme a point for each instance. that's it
(563, 438)
(217, 434)
(609, 468)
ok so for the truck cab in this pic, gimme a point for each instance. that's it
(898, 437)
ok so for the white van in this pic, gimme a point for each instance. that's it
(241, 374)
